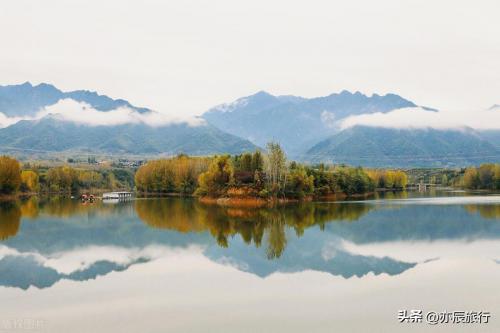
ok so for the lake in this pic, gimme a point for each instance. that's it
(176, 265)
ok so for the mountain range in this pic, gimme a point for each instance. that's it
(296, 122)
(54, 133)
(26, 100)
(310, 129)
(390, 147)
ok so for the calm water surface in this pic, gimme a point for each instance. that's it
(157, 265)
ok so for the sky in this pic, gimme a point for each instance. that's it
(183, 57)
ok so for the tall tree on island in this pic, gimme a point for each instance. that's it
(276, 168)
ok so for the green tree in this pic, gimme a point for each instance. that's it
(299, 183)
(276, 168)
(257, 161)
(444, 180)
(63, 179)
(353, 180)
(246, 162)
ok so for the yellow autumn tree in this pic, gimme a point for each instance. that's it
(217, 178)
(10, 175)
(29, 181)
(178, 174)
(471, 178)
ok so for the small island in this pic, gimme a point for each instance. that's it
(252, 179)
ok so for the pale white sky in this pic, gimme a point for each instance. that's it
(183, 57)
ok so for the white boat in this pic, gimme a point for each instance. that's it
(117, 196)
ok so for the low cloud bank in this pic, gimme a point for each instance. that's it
(83, 113)
(421, 118)
(416, 117)
(7, 121)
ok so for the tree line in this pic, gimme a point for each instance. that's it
(15, 178)
(174, 175)
(259, 174)
(486, 176)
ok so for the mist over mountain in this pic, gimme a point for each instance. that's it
(43, 119)
(376, 147)
(363, 130)
(344, 127)
(296, 122)
(51, 134)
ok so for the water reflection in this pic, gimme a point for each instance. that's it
(23, 271)
(251, 224)
(10, 219)
(255, 226)
(486, 211)
(326, 236)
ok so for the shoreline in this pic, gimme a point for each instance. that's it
(251, 202)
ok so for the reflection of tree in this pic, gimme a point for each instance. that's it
(10, 219)
(174, 214)
(276, 241)
(29, 208)
(64, 206)
(486, 211)
(397, 194)
(252, 225)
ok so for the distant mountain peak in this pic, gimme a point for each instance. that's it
(296, 122)
(262, 93)
(42, 85)
(26, 100)
(494, 107)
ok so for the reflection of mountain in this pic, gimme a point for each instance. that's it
(62, 223)
(314, 251)
(296, 237)
(417, 222)
(25, 271)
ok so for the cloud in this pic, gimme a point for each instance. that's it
(328, 118)
(7, 121)
(420, 118)
(83, 113)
